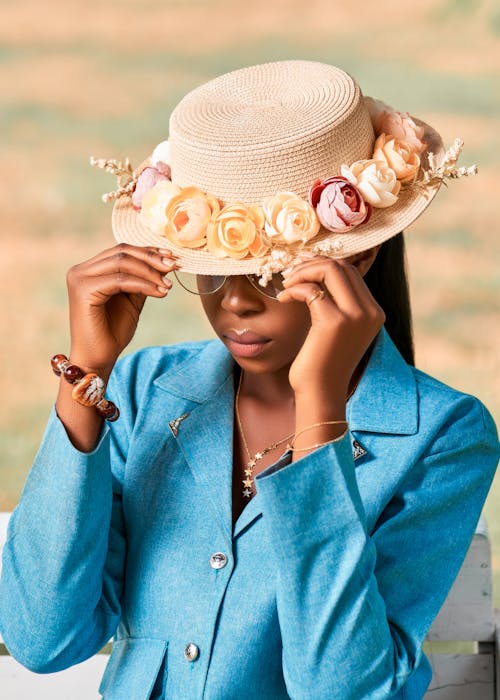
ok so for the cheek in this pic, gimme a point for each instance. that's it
(210, 307)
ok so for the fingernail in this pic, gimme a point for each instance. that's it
(166, 251)
(163, 290)
(168, 283)
(168, 261)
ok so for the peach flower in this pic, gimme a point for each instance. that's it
(154, 205)
(188, 215)
(386, 120)
(399, 155)
(289, 218)
(236, 232)
(375, 180)
(338, 203)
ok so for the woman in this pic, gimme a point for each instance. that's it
(278, 513)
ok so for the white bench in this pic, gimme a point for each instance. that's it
(463, 644)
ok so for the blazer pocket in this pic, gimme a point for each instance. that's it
(133, 668)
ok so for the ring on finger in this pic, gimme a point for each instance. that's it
(319, 294)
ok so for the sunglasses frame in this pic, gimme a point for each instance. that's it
(251, 278)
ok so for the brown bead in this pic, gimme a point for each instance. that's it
(89, 390)
(72, 373)
(108, 410)
(56, 361)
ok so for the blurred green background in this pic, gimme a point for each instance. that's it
(101, 78)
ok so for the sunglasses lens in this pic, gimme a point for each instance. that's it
(199, 284)
(272, 288)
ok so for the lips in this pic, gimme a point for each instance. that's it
(245, 343)
(246, 337)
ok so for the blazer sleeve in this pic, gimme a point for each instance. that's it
(63, 561)
(354, 606)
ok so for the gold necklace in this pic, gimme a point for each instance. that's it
(248, 482)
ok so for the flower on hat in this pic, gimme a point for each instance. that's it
(289, 219)
(388, 121)
(398, 155)
(236, 232)
(145, 182)
(157, 170)
(160, 157)
(339, 204)
(188, 214)
(376, 181)
(154, 203)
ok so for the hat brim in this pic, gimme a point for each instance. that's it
(383, 224)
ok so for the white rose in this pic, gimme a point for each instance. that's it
(154, 205)
(161, 154)
(375, 180)
(289, 218)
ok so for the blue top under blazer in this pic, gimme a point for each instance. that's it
(335, 569)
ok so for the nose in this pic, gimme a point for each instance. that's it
(240, 297)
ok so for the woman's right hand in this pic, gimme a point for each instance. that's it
(106, 296)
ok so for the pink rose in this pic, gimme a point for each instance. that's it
(339, 204)
(385, 120)
(145, 182)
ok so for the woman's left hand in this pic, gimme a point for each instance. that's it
(344, 322)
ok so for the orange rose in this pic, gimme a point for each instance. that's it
(289, 219)
(236, 232)
(398, 155)
(188, 215)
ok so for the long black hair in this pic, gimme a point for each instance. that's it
(387, 281)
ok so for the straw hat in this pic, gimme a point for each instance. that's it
(244, 150)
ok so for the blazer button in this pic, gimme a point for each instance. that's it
(218, 560)
(191, 652)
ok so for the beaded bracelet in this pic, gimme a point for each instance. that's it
(88, 389)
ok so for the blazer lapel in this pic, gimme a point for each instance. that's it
(204, 434)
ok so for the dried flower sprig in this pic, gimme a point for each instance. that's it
(125, 175)
(437, 173)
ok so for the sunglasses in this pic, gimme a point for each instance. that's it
(209, 284)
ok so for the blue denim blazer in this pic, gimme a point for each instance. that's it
(335, 570)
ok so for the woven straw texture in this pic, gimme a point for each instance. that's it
(266, 129)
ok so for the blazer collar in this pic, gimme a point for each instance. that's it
(386, 400)
(201, 375)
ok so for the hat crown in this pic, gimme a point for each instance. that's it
(268, 128)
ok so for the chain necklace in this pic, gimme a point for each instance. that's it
(248, 481)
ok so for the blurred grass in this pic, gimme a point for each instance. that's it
(103, 79)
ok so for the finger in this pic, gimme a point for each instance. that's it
(332, 276)
(148, 253)
(129, 264)
(101, 289)
(119, 264)
(311, 294)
